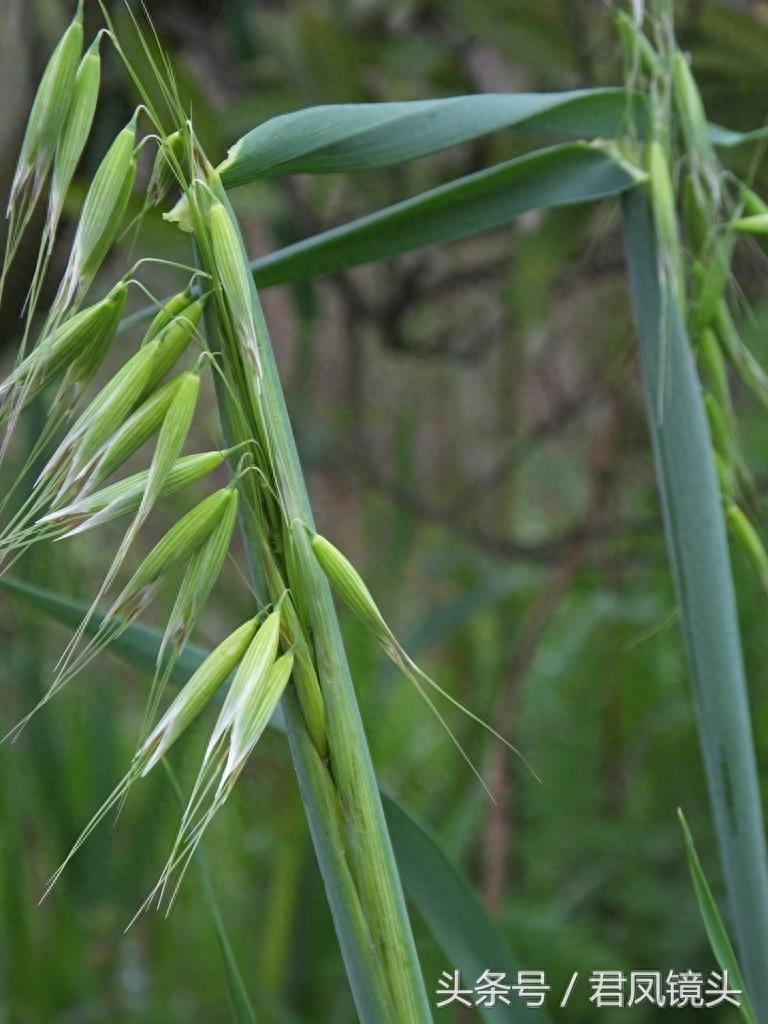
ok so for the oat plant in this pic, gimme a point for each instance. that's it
(650, 144)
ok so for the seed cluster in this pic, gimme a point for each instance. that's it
(153, 399)
(696, 246)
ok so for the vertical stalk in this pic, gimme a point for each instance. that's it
(325, 731)
(700, 561)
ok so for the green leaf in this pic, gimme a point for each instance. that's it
(459, 923)
(713, 923)
(558, 176)
(368, 136)
(699, 557)
(365, 136)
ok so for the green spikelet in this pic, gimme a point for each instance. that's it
(49, 110)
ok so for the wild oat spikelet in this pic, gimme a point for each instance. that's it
(352, 589)
(254, 666)
(195, 694)
(74, 135)
(124, 497)
(748, 538)
(101, 216)
(235, 276)
(49, 109)
(78, 344)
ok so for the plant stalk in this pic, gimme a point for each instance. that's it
(334, 770)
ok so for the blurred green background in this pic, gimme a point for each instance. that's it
(471, 424)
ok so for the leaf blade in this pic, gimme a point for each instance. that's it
(365, 136)
(458, 921)
(713, 922)
(698, 553)
(556, 176)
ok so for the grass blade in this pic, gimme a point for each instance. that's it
(713, 923)
(557, 176)
(699, 557)
(457, 920)
(365, 136)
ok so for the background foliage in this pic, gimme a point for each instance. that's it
(471, 422)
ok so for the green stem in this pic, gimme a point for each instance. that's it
(336, 777)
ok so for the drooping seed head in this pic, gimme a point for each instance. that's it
(77, 343)
(665, 218)
(227, 254)
(178, 544)
(747, 536)
(101, 418)
(709, 280)
(726, 477)
(114, 403)
(234, 273)
(173, 434)
(194, 696)
(690, 111)
(163, 177)
(714, 366)
(696, 216)
(168, 311)
(49, 109)
(124, 497)
(200, 578)
(253, 715)
(87, 362)
(74, 135)
(720, 427)
(175, 337)
(350, 586)
(138, 428)
(253, 668)
(102, 212)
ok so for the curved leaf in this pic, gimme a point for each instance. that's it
(713, 923)
(557, 176)
(725, 138)
(364, 136)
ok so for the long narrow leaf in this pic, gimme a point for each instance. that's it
(698, 552)
(139, 644)
(557, 176)
(365, 136)
(713, 923)
(458, 921)
(726, 138)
